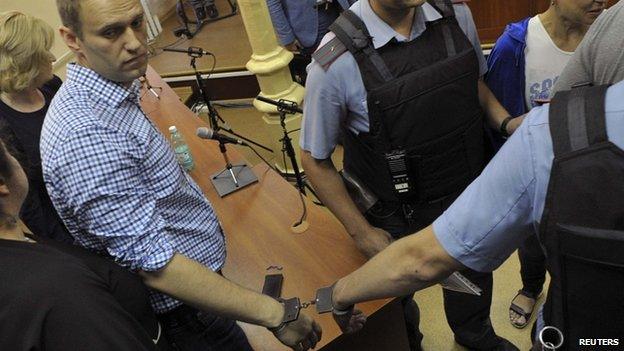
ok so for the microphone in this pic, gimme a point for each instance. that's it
(207, 133)
(285, 105)
(192, 51)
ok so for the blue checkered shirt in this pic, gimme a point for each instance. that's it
(115, 182)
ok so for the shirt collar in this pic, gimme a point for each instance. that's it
(382, 33)
(112, 93)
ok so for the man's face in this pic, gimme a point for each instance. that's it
(398, 4)
(581, 11)
(114, 39)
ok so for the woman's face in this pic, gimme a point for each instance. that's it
(580, 11)
(17, 181)
(45, 71)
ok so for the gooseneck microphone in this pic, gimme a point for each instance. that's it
(207, 133)
(191, 50)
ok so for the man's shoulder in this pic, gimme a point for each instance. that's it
(72, 114)
(71, 109)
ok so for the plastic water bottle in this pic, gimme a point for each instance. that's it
(181, 149)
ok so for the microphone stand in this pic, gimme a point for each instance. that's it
(230, 183)
(213, 115)
(186, 29)
(149, 87)
(289, 107)
(228, 164)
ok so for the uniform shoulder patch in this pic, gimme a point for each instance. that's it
(328, 53)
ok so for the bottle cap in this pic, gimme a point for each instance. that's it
(173, 129)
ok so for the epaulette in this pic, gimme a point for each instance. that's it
(328, 53)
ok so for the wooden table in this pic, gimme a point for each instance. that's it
(257, 221)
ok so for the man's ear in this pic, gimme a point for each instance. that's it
(71, 40)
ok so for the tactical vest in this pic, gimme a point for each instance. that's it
(582, 228)
(426, 125)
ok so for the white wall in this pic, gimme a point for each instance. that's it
(46, 10)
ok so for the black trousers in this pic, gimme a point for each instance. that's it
(188, 329)
(532, 266)
(467, 315)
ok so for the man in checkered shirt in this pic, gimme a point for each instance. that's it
(117, 186)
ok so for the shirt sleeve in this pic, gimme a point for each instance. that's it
(504, 77)
(494, 215)
(325, 107)
(107, 195)
(466, 22)
(280, 22)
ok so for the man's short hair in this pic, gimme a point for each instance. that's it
(25, 43)
(69, 11)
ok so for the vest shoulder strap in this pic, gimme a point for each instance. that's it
(577, 119)
(353, 34)
(445, 7)
(328, 53)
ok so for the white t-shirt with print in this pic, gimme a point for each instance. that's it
(544, 62)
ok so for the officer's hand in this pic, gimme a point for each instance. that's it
(350, 322)
(372, 241)
(294, 46)
(301, 334)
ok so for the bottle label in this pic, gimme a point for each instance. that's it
(184, 157)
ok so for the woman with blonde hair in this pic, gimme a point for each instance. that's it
(27, 85)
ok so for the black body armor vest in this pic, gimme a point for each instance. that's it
(582, 228)
(426, 124)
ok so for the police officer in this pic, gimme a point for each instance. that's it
(560, 174)
(301, 24)
(398, 81)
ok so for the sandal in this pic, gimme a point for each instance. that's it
(520, 311)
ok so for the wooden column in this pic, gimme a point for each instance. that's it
(269, 62)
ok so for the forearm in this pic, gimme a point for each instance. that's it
(417, 262)
(189, 281)
(331, 190)
(493, 109)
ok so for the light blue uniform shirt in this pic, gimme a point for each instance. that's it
(338, 94)
(504, 205)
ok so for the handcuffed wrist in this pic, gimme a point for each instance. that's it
(291, 313)
(281, 317)
(325, 302)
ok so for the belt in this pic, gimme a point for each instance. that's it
(324, 5)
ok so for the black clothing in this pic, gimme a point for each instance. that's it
(532, 266)
(61, 297)
(422, 149)
(582, 227)
(189, 329)
(37, 213)
(407, 84)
